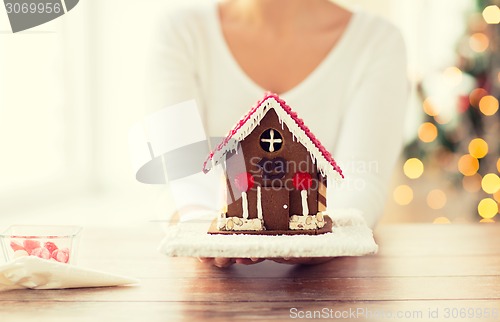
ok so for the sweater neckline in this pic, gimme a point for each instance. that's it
(304, 83)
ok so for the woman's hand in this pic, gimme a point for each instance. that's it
(226, 262)
(223, 262)
(302, 260)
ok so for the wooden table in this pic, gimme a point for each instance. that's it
(421, 273)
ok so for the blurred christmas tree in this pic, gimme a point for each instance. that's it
(460, 133)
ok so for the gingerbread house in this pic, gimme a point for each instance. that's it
(275, 172)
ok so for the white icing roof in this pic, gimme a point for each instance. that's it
(323, 159)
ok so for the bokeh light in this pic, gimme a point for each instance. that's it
(436, 199)
(498, 165)
(427, 132)
(479, 42)
(490, 183)
(478, 148)
(430, 108)
(403, 195)
(496, 196)
(441, 220)
(472, 183)
(453, 75)
(487, 221)
(476, 95)
(487, 208)
(413, 168)
(491, 14)
(488, 105)
(468, 165)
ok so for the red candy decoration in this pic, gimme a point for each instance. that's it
(244, 181)
(50, 246)
(61, 255)
(48, 250)
(302, 181)
(15, 246)
(30, 245)
(41, 252)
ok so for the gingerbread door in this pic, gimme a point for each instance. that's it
(275, 208)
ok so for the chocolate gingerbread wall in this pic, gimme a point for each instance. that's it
(272, 168)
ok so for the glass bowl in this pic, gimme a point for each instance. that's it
(55, 243)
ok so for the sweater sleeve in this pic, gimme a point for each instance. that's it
(371, 135)
(172, 68)
(173, 78)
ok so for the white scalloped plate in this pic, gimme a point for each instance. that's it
(350, 236)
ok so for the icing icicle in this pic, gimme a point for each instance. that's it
(259, 203)
(305, 207)
(244, 204)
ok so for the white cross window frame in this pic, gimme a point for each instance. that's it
(271, 140)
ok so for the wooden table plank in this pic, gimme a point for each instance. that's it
(419, 267)
(341, 267)
(252, 311)
(230, 289)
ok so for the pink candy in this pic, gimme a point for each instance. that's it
(30, 245)
(49, 250)
(41, 252)
(61, 255)
(50, 246)
(15, 246)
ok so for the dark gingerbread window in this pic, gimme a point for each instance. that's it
(271, 140)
